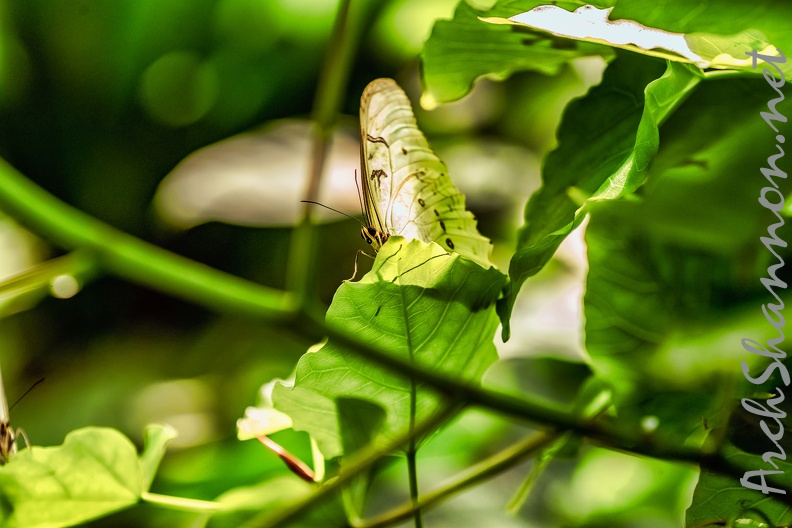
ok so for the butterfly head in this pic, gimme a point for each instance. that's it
(8, 447)
(373, 237)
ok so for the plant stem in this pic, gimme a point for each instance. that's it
(355, 466)
(133, 259)
(181, 503)
(412, 448)
(412, 451)
(331, 87)
(485, 469)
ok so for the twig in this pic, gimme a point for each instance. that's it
(485, 469)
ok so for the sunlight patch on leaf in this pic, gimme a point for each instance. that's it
(465, 48)
(590, 24)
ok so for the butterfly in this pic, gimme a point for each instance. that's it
(8, 436)
(405, 187)
(8, 447)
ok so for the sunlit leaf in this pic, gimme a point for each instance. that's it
(717, 26)
(418, 302)
(95, 472)
(465, 48)
(590, 24)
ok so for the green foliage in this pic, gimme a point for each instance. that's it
(463, 49)
(419, 303)
(718, 498)
(657, 163)
(95, 472)
(621, 117)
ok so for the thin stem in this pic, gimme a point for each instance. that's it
(412, 448)
(332, 85)
(412, 468)
(485, 469)
(181, 503)
(355, 466)
(132, 259)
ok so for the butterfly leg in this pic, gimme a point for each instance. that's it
(357, 255)
(21, 432)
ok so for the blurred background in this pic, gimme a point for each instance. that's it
(184, 123)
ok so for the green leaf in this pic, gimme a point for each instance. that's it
(95, 472)
(465, 48)
(607, 141)
(418, 302)
(359, 421)
(670, 270)
(720, 500)
(697, 46)
(662, 267)
(764, 21)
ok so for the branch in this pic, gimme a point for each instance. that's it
(135, 260)
(485, 469)
(354, 467)
(347, 32)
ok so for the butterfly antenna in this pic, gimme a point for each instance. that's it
(328, 207)
(26, 393)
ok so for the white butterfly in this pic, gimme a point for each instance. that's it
(405, 186)
(8, 436)
(8, 447)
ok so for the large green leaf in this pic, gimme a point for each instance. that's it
(418, 302)
(767, 20)
(465, 48)
(607, 141)
(721, 499)
(95, 472)
(704, 41)
(671, 269)
(662, 265)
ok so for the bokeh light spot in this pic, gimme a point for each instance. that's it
(178, 89)
(404, 26)
(64, 286)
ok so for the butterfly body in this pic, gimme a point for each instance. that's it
(8, 447)
(406, 190)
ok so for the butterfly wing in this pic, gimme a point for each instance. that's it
(406, 188)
